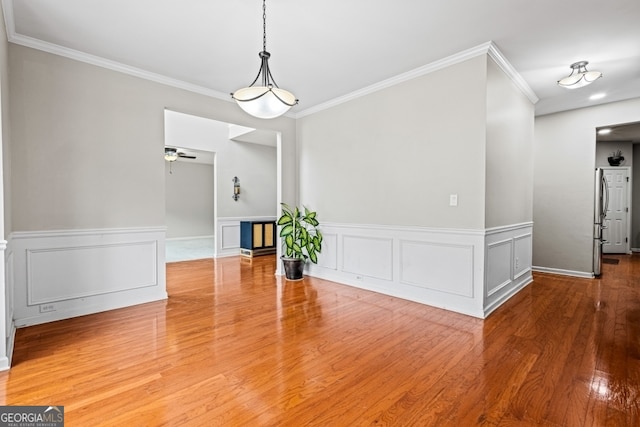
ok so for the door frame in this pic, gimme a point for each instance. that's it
(629, 201)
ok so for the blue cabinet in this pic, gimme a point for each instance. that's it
(257, 238)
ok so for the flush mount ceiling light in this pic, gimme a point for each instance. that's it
(579, 76)
(170, 154)
(266, 101)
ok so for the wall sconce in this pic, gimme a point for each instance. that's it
(236, 188)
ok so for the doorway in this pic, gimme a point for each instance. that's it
(626, 138)
(248, 155)
(617, 228)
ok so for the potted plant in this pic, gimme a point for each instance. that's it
(616, 158)
(301, 240)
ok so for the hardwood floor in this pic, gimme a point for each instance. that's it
(236, 346)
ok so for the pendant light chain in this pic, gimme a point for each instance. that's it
(268, 100)
(264, 25)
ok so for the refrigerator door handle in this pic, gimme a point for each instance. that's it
(605, 196)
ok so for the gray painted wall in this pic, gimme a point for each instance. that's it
(5, 223)
(563, 194)
(190, 189)
(254, 164)
(509, 160)
(393, 157)
(85, 143)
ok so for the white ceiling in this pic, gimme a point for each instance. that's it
(324, 50)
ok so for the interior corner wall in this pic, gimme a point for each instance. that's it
(190, 189)
(87, 184)
(394, 156)
(380, 171)
(563, 194)
(509, 160)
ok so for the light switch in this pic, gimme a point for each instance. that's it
(453, 200)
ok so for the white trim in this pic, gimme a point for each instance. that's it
(563, 272)
(66, 273)
(446, 268)
(407, 228)
(511, 72)
(521, 225)
(16, 235)
(485, 48)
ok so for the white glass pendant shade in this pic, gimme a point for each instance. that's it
(264, 102)
(580, 76)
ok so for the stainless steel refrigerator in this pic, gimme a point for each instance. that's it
(600, 213)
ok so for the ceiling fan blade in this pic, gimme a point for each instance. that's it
(186, 156)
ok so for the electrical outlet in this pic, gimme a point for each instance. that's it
(47, 308)
(453, 200)
(517, 263)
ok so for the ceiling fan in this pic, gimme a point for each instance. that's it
(172, 154)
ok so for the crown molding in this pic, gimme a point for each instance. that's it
(482, 49)
(13, 37)
(114, 66)
(409, 75)
(485, 48)
(511, 72)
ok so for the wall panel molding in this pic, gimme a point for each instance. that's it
(508, 263)
(467, 271)
(68, 273)
(227, 235)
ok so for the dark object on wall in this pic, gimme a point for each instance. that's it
(615, 161)
(616, 158)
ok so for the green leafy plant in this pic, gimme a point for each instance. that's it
(302, 239)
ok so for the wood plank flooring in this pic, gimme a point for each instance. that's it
(236, 346)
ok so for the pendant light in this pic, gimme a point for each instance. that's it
(267, 100)
(579, 76)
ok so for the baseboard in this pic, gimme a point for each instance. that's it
(68, 273)
(11, 340)
(521, 284)
(562, 272)
(471, 272)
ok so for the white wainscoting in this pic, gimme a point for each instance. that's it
(437, 267)
(228, 234)
(466, 271)
(6, 308)
(508, 263)
(68, 273)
